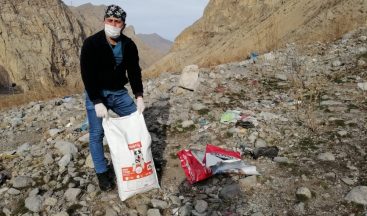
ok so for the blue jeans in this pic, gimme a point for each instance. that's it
(119, 102)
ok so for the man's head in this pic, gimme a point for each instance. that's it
(114, 20)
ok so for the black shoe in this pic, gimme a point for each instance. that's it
(105, 182)
(111, 172)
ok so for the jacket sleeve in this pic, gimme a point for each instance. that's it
(133, 69)
(88, 72)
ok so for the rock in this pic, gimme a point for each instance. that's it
(258, 214)
(198, 106)
(84, 139)
(336, 63)
(187, 123)
(23, 148)
(159, 204)
(362, 38)
(260, 143)
(53, 132)
(48, 159)
(361, 62)
(357, 195)
(66, 147)
(153, 212)
(63, 213)
(303, 194)
(89, 162)
(22, 181)
(13, 191)
(34, 203)
(248, 182)
(327, 156)
(348, 181)
(175, 200)
(230, 191)
(300, 208)
(72, 194)
(282, 77)
(185, 210)
(281, 160)
(64, 161)
(342, 133)
(201, 206)
(50, 201)
(330, 103)
(189, 77)
(110, 212)
(362, 86)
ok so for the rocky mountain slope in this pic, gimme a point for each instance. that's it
(156, 41)
(308, 101)
(92, 16)
(39, 45)
(231, 30)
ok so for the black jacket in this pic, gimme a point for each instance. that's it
(100, 72)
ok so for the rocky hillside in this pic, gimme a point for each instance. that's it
(39, 45)
(308, 101)
(92, 16)
(231, 30)
(156, 41)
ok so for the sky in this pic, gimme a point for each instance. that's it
(168, 18)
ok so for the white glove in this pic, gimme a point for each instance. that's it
(101, 110)
(140, 104)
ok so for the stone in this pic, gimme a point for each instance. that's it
(66, 147)
(248, 182)
(187, 123)
(89, 162)
(230, 191)
(159, 204)
(13, 191)
(189, 77)
(63, 213)
(336, 63)
(260, 143)
(84, 139)
(175, 200)
(22, 181)
(362, 86)
(34, 203)
(72, 194)
(54, 131)
(357, 195)
(198, 106)
(23, 148)
(48, 159)
(153, 212)
(303, 194)
(282, 77)
(281, 160)
(65, 160)
(185, 210)
(327, 156)
(201, 206)
(362, 38)
(330, 103)
(50, 201)
(342, 133)
(110, 212)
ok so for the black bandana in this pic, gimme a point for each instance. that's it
(115, 11)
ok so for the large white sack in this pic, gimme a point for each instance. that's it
(130, 146)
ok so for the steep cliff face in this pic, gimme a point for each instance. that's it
(229, 30)
(39, 45)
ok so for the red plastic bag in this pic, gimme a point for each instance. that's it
(220, 154)
(195, 170)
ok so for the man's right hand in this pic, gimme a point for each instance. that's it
(101, 110)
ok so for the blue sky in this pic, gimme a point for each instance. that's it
(165, 17)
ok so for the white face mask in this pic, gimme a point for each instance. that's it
(111, 31)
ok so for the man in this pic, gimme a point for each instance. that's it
(105, 58)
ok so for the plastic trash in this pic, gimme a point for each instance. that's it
(85, 125)
(269, 151)
(199, 165)
(230, 116)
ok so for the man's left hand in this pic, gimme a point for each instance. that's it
(140, 104)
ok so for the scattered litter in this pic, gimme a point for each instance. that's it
(245, 124)
(3, 177)
(230, 116)
(269, 151)
(198, 165)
